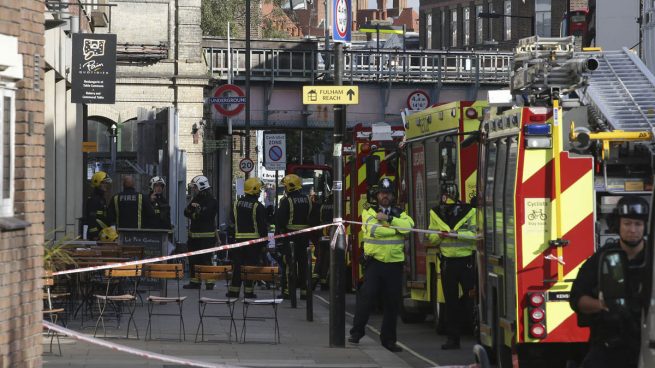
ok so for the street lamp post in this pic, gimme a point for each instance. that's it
(498, 15)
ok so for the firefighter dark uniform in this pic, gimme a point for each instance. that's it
(96, 214)
(202, 212)
(383, 259)
(456, 262)
(96, 206)
(130, 210)
(615, 334)
(249, 220)
(160, 206)
(322, 248)
(292, 215)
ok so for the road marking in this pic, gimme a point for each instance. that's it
(377, 332)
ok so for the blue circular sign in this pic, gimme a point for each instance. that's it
(275, 153)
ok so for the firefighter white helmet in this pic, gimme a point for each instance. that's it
(201, 183)
(156, 180)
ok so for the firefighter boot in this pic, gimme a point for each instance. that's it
(451, 344)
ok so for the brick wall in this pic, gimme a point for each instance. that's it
(238, 149)
(20, 250)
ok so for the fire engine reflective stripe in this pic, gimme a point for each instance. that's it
(385, 242)
(138, 206)
(202, 235)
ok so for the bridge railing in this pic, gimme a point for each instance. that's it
(366, 65)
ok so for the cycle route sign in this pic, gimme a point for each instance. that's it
(275, 151)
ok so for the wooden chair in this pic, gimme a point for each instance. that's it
(116, 296)
(212, 274)
(165, 272)
(266, 274)
(49, 311)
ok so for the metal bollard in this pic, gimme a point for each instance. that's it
(292, 272)
(310, 291)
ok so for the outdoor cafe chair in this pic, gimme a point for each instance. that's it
(212, 274)
(165, 272)
(119, 293)
(266, 274)
(49, 310)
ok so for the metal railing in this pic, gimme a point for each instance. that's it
(365, 65)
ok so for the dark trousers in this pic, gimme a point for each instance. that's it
(600, 356)
(380, 279)
(456, 272)
(201, 259)
(300, 244)
(244, 256)
(322, 265)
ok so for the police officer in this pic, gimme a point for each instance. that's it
(615, 333)
(128, 209)
(322, 247)
(292, 215)
(96, 205)
(456, 259)
(248, 220)
(160, 206)
(383, 256)
(202, 230)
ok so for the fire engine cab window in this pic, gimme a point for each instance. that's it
(499, 207)
(488, 198)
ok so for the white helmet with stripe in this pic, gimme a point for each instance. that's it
(201, 182)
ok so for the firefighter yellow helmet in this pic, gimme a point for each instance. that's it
(99, 178)
(253, 186)
(291, 183)
(108, 234)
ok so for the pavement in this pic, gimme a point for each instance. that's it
(303, 343)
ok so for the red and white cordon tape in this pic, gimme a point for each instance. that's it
(443, 234)
(186, 254)
(126, 349)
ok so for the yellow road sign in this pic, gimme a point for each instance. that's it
(330, 95)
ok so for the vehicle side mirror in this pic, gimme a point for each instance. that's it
(613, 277)
(372, 170)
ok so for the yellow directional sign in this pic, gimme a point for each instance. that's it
(330, 95)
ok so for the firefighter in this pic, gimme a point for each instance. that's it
(614, 340)
(159, 203)
(128, 209)
(383, 260)
(201, 211)
(248, 220)
(292, 215)
(456, 260)
(96, 205)
(322, 248)
(108, 234)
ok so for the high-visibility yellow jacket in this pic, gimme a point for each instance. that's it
(382, 242)
(464, 223)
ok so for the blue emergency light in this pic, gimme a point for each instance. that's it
(538, 129)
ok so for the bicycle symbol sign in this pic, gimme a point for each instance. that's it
(537, 214)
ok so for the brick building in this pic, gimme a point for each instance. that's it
(21, 188)
(455, 24)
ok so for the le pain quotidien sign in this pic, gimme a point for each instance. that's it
(94, 68)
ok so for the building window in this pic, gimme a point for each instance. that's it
(453, 27)
(508, 20)
(467, 26)
(444, 29)
(543, 18)
(7, 132)
(490, 22)
(479, 23)
(428, 31)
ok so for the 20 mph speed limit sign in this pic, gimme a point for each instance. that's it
(246, 165)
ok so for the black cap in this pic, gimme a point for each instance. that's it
(385, 185)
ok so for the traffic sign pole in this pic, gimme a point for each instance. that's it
(337, 254)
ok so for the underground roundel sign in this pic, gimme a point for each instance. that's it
(341, 23)
(229, 100)
(418, 100)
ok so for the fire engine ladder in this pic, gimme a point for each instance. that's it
(622, 91)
